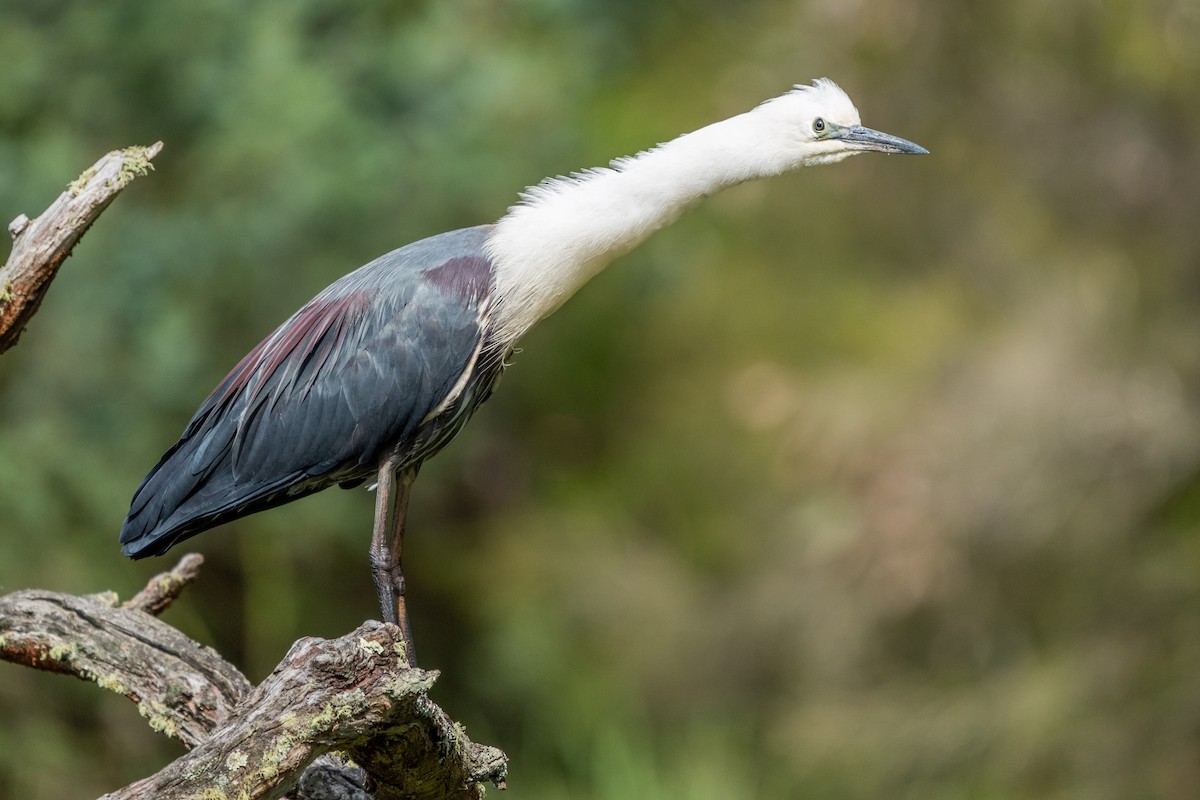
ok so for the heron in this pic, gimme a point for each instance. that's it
(386, 365)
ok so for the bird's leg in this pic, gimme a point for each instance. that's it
(385, 491)
(387, 542)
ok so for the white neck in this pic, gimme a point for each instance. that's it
(566, 230)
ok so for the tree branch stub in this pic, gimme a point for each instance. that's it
(42, 244)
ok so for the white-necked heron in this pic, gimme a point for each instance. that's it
(381, 369)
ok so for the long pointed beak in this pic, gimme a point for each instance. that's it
(868, 139)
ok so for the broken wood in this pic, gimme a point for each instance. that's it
(41, 245)
(350, 698)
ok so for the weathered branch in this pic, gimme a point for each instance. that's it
(41, 245)
(181, 687)
(355, 695)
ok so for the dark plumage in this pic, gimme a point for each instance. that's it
(353, 377)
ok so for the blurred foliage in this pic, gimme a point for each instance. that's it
(881, 480)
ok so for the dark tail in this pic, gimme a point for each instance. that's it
(194, 487)
(168, 507)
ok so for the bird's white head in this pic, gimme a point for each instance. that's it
(565, 230)
(819, 124)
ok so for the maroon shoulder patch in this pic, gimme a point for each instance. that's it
(469, 277)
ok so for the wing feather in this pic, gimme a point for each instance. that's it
(349, 378)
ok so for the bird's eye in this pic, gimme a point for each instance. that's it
(818, 125)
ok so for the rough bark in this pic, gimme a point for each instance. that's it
(354, 697)
(41, 245)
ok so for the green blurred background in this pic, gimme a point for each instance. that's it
(876, 480)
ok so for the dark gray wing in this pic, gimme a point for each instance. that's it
(359, 372)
